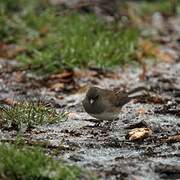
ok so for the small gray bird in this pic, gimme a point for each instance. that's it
(106, 104)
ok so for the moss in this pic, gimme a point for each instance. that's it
(53, 42)
(31, 163)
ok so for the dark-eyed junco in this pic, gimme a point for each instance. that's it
(106, 104)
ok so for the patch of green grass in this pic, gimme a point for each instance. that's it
(29, 114)
(146, 8)
(53, 42)
(31, 163)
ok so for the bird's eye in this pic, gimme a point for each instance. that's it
(96, 97)
(92, 100)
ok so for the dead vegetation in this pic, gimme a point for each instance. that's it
(117, 50)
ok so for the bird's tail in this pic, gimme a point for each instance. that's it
(140, 91)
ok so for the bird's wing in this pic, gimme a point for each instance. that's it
(119, 99)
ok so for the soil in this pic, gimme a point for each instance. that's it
(103, 147)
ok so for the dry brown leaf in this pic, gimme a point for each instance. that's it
(19, 76)
(138, 134)
(63, 75)
(85, 73)
(147, 48)
(57, 86)
(9, 101)
(9, 51)
(156, 99)
(172, 139)
(61, 81)
(164, 56)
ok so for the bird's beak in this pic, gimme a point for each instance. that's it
(91, 101)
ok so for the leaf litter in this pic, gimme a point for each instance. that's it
(104, 148)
